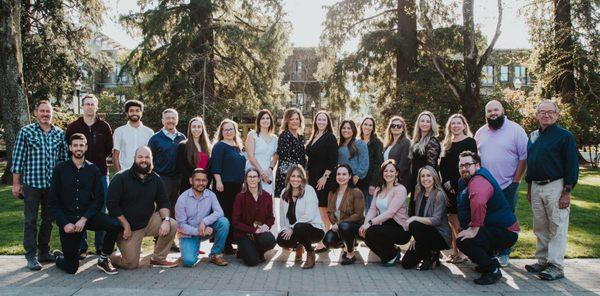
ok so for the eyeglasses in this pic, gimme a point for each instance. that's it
(396, 126)
(546, 112)
(466, 165)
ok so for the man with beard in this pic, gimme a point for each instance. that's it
(487, 222)
(99, 147)
(134, 195)
(38, 148)
(76, 198)
(502, 146)
(553, 172)
(131, 136)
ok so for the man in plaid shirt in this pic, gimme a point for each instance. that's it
(38, 148)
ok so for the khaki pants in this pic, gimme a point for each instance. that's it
(550, 223)
(131, 248)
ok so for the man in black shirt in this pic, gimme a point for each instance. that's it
(75, 199)
(134, 196)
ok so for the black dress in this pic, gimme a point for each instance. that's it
(430, 156)
(291, 152)
(322, 155)
(449, 168)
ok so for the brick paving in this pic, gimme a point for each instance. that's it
(281, 276)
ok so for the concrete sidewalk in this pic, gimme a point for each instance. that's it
(280, 276)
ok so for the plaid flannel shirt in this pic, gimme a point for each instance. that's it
(36, 154)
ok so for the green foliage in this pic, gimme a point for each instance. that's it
(55, 38)
(223, 55)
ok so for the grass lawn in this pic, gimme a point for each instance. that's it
(584, 228)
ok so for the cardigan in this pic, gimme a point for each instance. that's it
(399, 152)
(351, 208)
(396, 208)
(307, 210)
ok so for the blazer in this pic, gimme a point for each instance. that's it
(307, 210)
(351, 207)
(396, 208)
(435, 210)
(399, 153)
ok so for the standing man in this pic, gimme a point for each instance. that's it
(76, 199)
(138, 199)
(38, 148)
(487, 222)
(99, 146)
(502, 146)
(131, 136)
(164, 149)
(553, 172)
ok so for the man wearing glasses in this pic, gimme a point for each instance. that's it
(487, 222)
(552, 174)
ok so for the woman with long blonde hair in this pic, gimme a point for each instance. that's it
(458, 138)
(425, 147)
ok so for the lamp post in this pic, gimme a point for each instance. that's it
(78, 90)
(517, 83)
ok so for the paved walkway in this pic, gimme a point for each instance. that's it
(280, 276)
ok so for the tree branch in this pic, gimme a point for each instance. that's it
(349, 28)
(490, 47)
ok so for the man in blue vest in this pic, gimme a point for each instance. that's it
(487, 222)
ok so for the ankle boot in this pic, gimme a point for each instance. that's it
(299, 251)
(310, 260)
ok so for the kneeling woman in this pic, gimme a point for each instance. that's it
(385, 225)
(300, 220)
(253, 219)
(428, 225)
(345, 209)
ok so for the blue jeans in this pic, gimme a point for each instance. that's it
(189, 246)
(510, 193)
(99, 237)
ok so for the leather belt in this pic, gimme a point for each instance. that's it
(545, 182)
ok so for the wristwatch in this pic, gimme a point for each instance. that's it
(167, 218)
(371, 222)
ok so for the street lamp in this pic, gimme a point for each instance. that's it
(517, 83)
(78, 89)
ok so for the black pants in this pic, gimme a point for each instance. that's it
(304, 234)
(382, 239)
(252, 246)
(226, 198)
(428, 242)
(483, 247)
(172, 189)
(345, 236)
(70, 241)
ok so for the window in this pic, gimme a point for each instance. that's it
(487, 75)
(298, 67)
(504, 73)
(520, 71)
(300, 100)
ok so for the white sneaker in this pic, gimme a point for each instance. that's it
(503, 260)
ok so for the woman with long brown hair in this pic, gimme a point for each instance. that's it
(261, 145)
(193, 152)
(368, 133)
(397, 146)
(290, 146)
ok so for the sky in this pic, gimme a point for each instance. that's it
(307, 16)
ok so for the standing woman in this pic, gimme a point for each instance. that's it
(353, 151)
(299, 218)
(345, 209)
(261, 145)
(193, 152)
(385, 224)
(322, 153)
(290, 146)
(253, 219)
(368, 133)
(227, 165)
(458, 138)
(397, 147)
(428, 224)
(425, 148)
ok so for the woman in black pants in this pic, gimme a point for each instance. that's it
(299, 216)
(385, 225)
(227, 163)
(428, 224)
(345, 209)
(253, 219)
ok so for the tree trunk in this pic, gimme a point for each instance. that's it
(471, 100)
(563, 34)
(203, 67)
(15, 111)
(406, 54)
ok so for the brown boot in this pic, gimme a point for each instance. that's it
(310, 260)
(299, 251)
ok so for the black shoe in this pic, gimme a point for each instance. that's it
(489, 278)
(344, 255)
(174, 248)
(106, 266)
(33, 264)
(536, 267)
(348, 261)
(46, 257)
(229, 250)
(82, 256)
(56, 254)
(261, 257)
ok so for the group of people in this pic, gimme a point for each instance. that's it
(433, 194)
